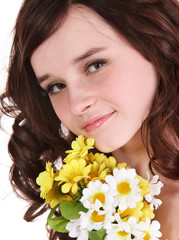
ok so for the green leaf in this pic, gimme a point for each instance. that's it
(57, 223)
(70, 209)
(53, 211)
(93, 235)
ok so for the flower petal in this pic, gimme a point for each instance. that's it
(66, 187)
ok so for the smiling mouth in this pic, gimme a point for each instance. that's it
(96, 122)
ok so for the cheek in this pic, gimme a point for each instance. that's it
(116, 86)
(60, 106)
(132, 89)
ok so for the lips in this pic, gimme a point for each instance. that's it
(96, 122)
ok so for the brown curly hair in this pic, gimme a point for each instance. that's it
(151, 26)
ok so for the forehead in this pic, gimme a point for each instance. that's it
(80, 30)
(82, 19)
(81, 25)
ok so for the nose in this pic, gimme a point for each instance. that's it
(81, 99)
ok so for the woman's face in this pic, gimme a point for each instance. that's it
(99, 85)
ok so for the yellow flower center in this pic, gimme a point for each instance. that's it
(125, 213)
(72, 180)
(92, 175)
(96, 217)
(122, 233)
(124, 187)
(100, 197)
(147, 236)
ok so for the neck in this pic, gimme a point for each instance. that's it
(134, 153)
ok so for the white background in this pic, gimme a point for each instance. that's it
(12, 209)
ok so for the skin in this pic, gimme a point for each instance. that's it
(102, 87)
(124, 86)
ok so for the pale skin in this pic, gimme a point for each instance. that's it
(101, 87)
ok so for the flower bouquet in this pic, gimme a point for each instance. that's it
(98, 198)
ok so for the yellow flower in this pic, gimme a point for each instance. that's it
(71, 174)
(143, 185)
(147, 212)
(46, 180)
(98, 172)
(80, 148)
(100, 158)
(132, 212)
(121, 165)
(55, 196)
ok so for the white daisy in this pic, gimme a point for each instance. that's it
(122, 230)
(75, 230)
(94, 220)
(150, 230)
(124, 188)
(97, 196)
(155, 189)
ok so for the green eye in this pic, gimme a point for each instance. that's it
(94, 66)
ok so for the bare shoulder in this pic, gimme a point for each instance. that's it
(168, 212)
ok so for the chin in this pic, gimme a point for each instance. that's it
(105, 148)
(106, 145)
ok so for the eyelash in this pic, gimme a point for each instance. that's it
(50, 91)
(99, 64)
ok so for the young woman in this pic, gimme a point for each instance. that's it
(107, 70)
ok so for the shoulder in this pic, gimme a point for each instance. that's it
(168, 212)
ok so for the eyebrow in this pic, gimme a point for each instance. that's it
(43, 78)
(87, 54)
(82, 57)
